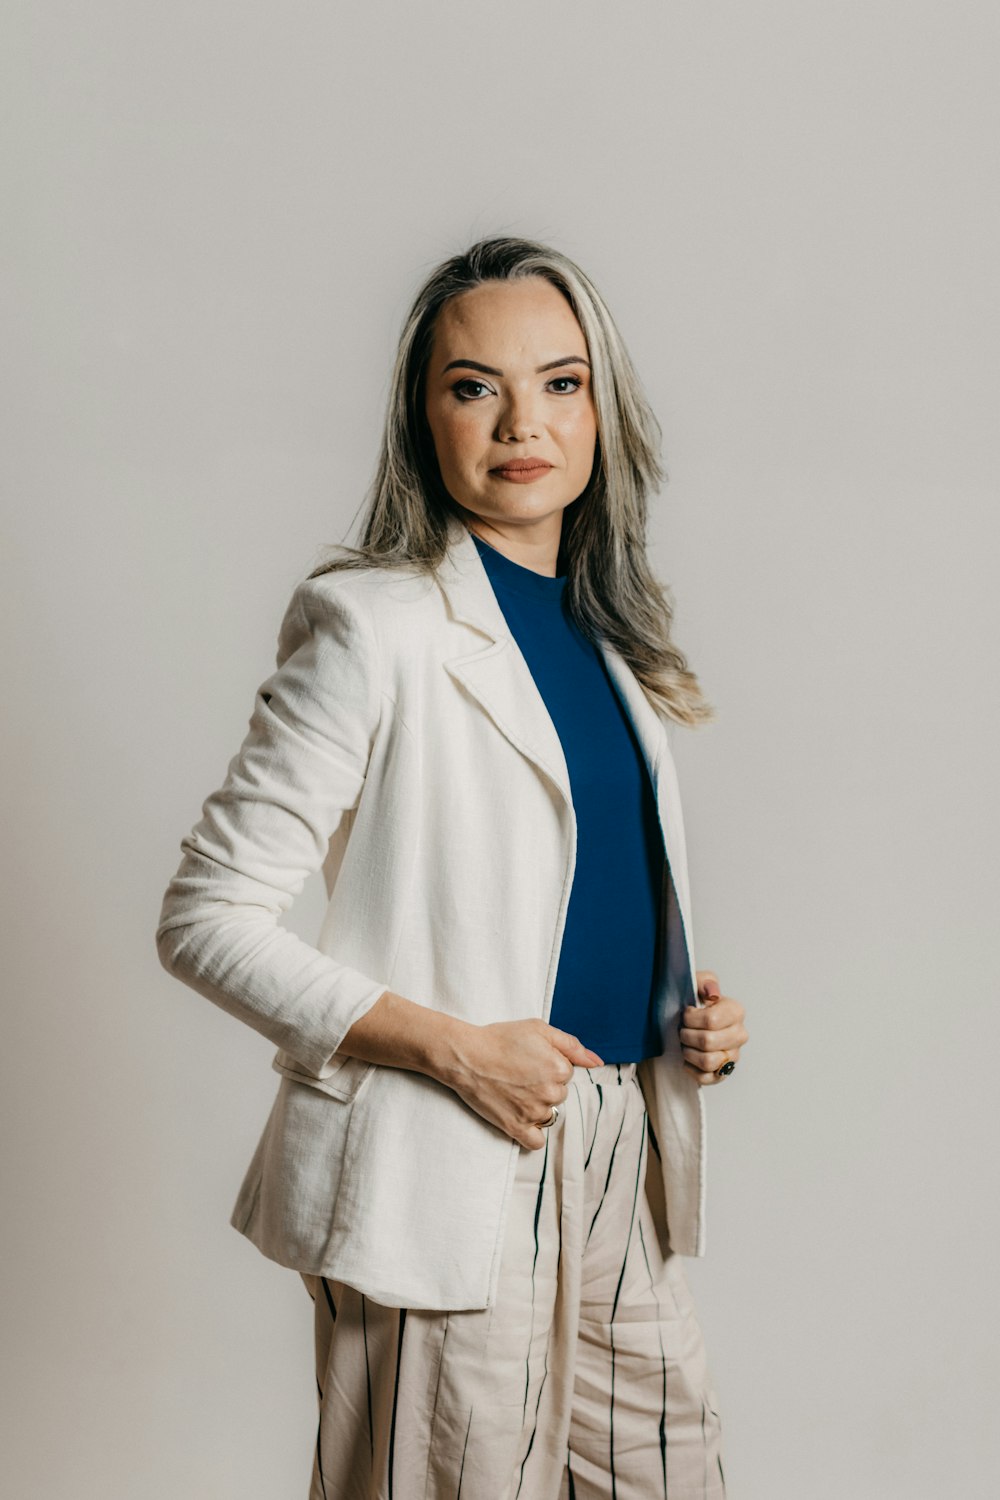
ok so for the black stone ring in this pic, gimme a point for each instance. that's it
(726, 1068)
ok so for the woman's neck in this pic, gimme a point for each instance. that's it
(539, 553)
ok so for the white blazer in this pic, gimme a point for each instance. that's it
(403, 747)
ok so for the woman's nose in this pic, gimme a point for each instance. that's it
(518, 422)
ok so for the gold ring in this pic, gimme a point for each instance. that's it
(724, 1070)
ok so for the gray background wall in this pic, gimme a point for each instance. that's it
(214, 217)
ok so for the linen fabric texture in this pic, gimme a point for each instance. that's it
(587, 1379)
(402, 748)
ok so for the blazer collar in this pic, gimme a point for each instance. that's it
(466, 584)
(496, 674)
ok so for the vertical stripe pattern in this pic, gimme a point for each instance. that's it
(588, 1378)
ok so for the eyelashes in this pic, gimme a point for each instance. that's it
(460, 386)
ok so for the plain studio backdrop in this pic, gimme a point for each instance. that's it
(215, 215)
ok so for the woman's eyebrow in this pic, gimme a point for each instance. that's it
(473, 364)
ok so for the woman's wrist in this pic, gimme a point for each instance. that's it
(449, 1043)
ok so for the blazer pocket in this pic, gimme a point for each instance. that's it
(342, 1083)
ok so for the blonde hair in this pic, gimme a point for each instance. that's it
(611, 591)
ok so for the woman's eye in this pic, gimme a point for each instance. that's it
(469, 389)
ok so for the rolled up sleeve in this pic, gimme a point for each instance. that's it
(299, 771)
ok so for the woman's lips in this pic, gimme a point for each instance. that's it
(523, 471)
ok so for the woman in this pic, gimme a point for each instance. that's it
(486, 1153)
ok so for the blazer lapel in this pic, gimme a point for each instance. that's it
(652, 737)
(495, 673)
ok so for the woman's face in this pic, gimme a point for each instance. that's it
(508, 378)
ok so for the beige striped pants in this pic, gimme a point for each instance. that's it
(586, 1380)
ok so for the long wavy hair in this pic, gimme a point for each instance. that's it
(611, 591)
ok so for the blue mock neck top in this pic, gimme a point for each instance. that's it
(608, 958)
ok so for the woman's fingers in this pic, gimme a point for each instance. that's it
(702, 1040)
(572, 1048)
(711, 1033)
(717, 1011)
(705, 1078)
(707, 1062)
(717, 1017)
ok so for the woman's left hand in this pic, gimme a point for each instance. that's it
(713, 1033)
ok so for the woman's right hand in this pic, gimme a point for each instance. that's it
(512, 1072)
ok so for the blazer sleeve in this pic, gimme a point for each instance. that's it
(299, 770)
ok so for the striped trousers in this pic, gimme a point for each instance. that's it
(586, 1380)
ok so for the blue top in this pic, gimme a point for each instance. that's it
(608, 957)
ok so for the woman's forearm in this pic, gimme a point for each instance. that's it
(401, 1034)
